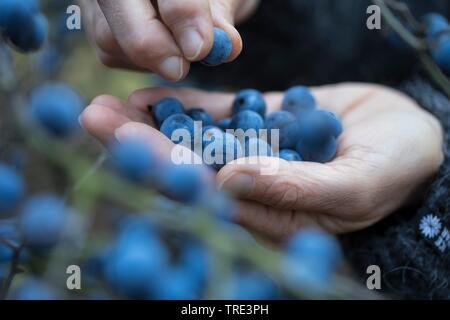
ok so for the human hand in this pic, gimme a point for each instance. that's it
(161, 36)
(389, 148)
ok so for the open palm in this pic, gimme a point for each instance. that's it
(389, 149)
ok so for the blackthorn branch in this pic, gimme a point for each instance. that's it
(421, 47)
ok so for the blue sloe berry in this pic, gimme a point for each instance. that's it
(11, 188)
(255, 147)
(251, 285)
(249, 99)
(289, 155)
(224, 124)
(435, 24)
(287, 124)
(440, 51)
(135, 259)
(183, 183)
(221, 49)
(317, 252)
(219, 148)
(42, 221)
(178, 128)
(56, 107)
(166, 108)
(246, 120)
(297, 100)
(34, 289)
(323, 151)
(133, 159)
(199, 114)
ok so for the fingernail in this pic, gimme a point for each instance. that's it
(125, 133)
(80, 121)
(191, 43)
(172, 68)
(238, 184)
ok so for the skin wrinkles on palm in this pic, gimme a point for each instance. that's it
(388, 149)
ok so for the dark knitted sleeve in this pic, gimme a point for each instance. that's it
(412, 247)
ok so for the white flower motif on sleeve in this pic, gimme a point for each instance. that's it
(443, 241)
(430, 225)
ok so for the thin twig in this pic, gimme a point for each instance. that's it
(79, 183)
(404, 11)
(435, 73)
(8, 243)
(395, 24)
(419, 45)
(13, 270)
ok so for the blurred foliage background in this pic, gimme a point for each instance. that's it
(67, 56)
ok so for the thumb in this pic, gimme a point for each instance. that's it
(304, 186)
(224, 13)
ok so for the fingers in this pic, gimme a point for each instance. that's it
(103, 35)
(101, 122)
(223, 13)
(162, 39)
(142, 132)
(102, 39)
(217, 104)
(301, 186)
(105, 114)
(123, 108)
(270, 223)
(146, 41)
(108, 125)
(191, 24)
(113, 61)
(108, 119)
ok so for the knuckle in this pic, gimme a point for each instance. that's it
(140, 98)
(225, 9)
(135, 96)
(282, 192)
(333, 196)
(176, 11)
(226, 6)
(145, 48)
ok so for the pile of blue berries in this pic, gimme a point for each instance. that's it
(301, 130)
(22, 23)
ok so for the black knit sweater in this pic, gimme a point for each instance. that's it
(315, 42)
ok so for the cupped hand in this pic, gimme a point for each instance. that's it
(162, 36)
(389, 149)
